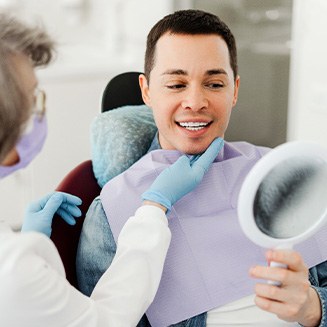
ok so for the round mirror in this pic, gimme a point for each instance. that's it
(283, 199)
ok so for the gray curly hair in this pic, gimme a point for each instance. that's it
(17, 38)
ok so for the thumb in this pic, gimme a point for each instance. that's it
(53, 204)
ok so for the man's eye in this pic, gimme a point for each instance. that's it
(175, 86)
(215, 85)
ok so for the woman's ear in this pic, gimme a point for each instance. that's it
(145, 90)
(11, 158)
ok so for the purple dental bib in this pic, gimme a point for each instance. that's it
(209, 256)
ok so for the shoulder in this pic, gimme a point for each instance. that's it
(245, 149)
(96, 231)
(96, 221)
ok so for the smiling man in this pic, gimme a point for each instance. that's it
(191, 89)
(191, 85)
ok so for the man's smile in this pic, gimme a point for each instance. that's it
(193, 125)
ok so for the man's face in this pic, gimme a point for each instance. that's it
(191, 91)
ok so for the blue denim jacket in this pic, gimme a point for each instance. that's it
(97, 248)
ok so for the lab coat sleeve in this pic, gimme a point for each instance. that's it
(34, 290)
(132, 280)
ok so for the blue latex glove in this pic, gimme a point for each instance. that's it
(39, 214)
(182, 177)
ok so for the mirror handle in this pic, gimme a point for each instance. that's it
(278, 265)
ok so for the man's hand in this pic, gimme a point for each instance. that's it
(182, 177)
(39, 214)
(294, 300)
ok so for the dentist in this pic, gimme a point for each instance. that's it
(33, 288)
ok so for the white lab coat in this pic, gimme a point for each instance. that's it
(34, 291)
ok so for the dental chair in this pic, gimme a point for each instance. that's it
(121, 90)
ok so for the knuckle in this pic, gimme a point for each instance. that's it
(283, 274)
(304, 285)
(298, 260)
(64, 206)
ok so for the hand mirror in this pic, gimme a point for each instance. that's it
(283, 199)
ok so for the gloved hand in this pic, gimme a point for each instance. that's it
(39, 214)
(182, 177)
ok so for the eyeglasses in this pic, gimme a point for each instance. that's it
(39, 103)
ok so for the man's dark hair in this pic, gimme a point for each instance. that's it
(189, 22)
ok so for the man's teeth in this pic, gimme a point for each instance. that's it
(193, 126)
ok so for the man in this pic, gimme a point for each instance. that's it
(191, 84)
(34, 290)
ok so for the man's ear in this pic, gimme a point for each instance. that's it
(145, 90)
(236, 87)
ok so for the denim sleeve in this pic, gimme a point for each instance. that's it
(318, 280)
(96, 248)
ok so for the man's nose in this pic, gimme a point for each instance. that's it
(195, 98)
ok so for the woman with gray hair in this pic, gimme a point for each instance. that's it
(34, 290)
(19, 45)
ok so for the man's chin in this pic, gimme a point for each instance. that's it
(188, 146)
(194, 149)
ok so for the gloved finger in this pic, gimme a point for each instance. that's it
(209, 155)
(66, 216)
(194, 158)
(53, 204)
(181, 163)
(71, 209)
(39, 204)
(70, 198)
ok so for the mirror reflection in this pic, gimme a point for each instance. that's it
(291, 199)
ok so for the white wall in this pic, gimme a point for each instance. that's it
(100, 38)
(308, 85)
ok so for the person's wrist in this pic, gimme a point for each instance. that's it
(157, 197)
(148, 202)
(313, 312)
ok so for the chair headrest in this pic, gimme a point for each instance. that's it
(119, 138)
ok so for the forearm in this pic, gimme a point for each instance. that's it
(128, 287)
(33, 283)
